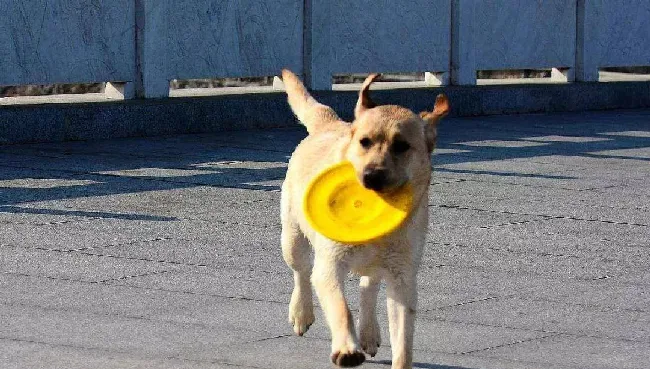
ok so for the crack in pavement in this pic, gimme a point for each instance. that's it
(508, 344)
(568, 217)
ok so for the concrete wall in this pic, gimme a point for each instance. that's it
(369, 35)
(147, 117)
(512, 34)
(150, 42)
(220, 38)
(614, 33)
(66, 41)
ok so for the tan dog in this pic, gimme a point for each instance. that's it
(388, 147)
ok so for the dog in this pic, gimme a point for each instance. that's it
(388, 147)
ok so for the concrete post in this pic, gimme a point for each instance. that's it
(316, 47)
(563, 74)
(586, 69)
(151, 81)
(122, 91)
(463, 59)
(436, 78)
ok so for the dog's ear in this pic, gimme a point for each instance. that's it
(364, 103)
(432, 118)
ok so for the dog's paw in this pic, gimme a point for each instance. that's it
(348, 359)
(370, 337)
(301, 315)
(301, 322)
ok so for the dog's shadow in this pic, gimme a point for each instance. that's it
(418, 365)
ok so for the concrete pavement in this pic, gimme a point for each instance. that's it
(164, 252)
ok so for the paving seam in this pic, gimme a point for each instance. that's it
(388, 345)
(286, 335)
(86, 252)
(567, 217)
(438, 319)
(72, 215)
(600, 308)
(127, 277)
(129, 243)
(147, 319)
(579, 335)
(501, 225)
(552, 333)
(125, 353)
(118, 285)
(428, 350)
(525, 253)
(555, 277)
(51, 223)
(527, 184)
(224, 222)
(530, 296)
(435, 182)
(180, 358)
(18, 274)
(508, 344)
(492, 248)
(43, 343)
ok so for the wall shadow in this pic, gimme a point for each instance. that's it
(256, 160)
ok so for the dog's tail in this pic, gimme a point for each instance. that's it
(312, 114)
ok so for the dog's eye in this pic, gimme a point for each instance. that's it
(400, 147)
(365, 142)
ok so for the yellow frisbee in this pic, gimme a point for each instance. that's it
(342, 209)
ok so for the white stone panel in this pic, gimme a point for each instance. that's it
(512, 34)
(189, 39)
(367, 36)
(615, 33)
(66, 41)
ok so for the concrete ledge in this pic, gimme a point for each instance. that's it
(127, 118)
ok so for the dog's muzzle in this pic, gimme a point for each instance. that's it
(375, 179)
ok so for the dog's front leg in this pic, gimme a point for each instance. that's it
(328, 276)
(402, 302)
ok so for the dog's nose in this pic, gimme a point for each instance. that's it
(374, 179)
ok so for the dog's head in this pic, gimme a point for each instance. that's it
(390, 145)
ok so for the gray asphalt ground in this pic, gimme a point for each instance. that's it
(164, 252)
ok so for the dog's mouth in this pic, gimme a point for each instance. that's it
(386, 189)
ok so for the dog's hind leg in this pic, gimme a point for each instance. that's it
(296, 253)
(369, 332)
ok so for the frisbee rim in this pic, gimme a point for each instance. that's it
(403, 197)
